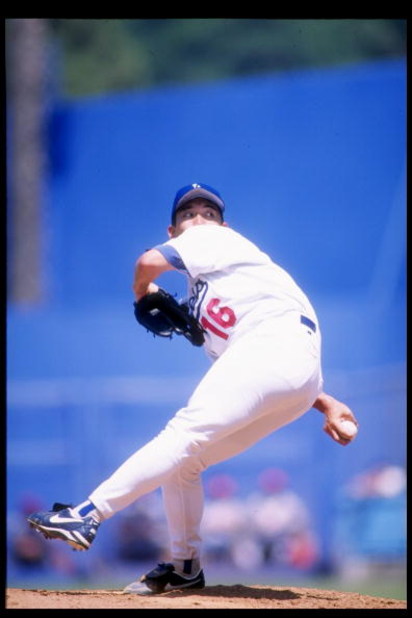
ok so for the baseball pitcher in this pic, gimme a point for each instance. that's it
(263, 337)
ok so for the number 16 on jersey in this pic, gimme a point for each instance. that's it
(221, 318)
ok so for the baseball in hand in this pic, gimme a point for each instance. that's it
(348, 429)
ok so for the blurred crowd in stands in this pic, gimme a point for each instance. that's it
(269, 527)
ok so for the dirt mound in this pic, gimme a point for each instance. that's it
(211, 597)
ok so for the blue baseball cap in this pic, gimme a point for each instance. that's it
(197, 189)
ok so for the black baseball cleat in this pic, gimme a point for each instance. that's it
(164, 578)
(62, 523)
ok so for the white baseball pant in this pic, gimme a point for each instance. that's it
(266, 379)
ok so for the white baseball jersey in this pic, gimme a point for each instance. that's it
(233, 285)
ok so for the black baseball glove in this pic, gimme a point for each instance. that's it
(161, 314)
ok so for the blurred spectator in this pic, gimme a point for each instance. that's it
(140, 537)
(281, 523)
(27, 548)
(224, 524)
(371, 521)
(386, 481)
(28, 551)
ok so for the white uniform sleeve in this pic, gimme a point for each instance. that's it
(202, 249)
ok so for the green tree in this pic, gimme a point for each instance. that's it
(103, 55)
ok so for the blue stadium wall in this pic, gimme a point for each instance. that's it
(312, 167)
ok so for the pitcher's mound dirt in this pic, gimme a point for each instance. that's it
(211, 597)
